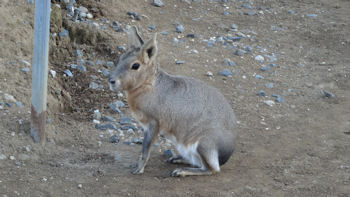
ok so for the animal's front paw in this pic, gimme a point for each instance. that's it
(137, 170)
(178, 172)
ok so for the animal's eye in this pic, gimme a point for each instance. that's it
(135, 66)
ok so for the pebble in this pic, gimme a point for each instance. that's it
(328, 94)
(23, 157)
(8, 104)
(99, 62)
(278, 98)
(9, 97)
(52, 73)
(68, 73)
(259, 77)
(116, 105)
(291, 11)
(248, 49)
(269, 85)
(25, 70)
(271, 58)
(269, 103)
(108, 119)
(114, 139)
(89, 16)
(125, 120)
(78, 53)
(180, 28)
(234, 26)
(210, 74)
(239, 52)
(80, 186)
(116, 157)
(151, 27)
(106, 126)
(261, 93)
(78, 67)
(250, 13)
(228, 62)
(106, 72)
(158, 3)
(259, 58)
(136, 140)
(168, 153)
(95, 86)
(164, 33)
(19, 104)
(311, 15)
(110, 64)
(97, 114)
(180, 62)
(225, 73)
(12, 157)
(24, 62)
(265, 68)
(63, 33)
(121, 48)
(2, 157)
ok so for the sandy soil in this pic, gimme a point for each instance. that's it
(300, 147)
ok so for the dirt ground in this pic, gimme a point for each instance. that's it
(299, 147)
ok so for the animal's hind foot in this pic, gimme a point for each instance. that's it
(176, 160)
(182, 172)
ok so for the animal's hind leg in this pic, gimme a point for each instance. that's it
(177, 160)
(210, 163)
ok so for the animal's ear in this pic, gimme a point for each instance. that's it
(134, 38)
(149, 50)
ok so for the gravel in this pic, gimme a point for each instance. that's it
(157, 3)
(225, 73)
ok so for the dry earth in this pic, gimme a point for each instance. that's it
(299, 147)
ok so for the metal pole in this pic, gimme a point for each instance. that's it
(40, 69)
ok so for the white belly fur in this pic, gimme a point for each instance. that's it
(189, 152)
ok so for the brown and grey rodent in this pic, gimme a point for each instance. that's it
(193, 115)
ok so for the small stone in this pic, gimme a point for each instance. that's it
(168, 153)
(52, 73)
(271, 58)
(114, 139)
(225, 73)
(95, 86)
(116, 105)
(291, 12)
(24, 62)
(9, 97)
(328, 94)
(210, 74)
(78, 53)
(311, 15)
(80, 186)
(68, 73)
(106, 72)
(99, 62)
(25, 70)
(248, 49)
(110, 64)
(278, 98)
(226, 13)
(239, 52)
(151, 27)
(247, 6)
(83, 9)
(19, 104)
(180, 28)
(259, 58)
(23, 157)
(269, 103)
(234, 26)
(106, 126)
(136, 140)
(121, 49)
(44, 179)
(259, 77)
(261, 93)
(125, 120)
(269, 85)
(97, 114)
(180, 62)
(2, 157)
(228, 62)
(78, 67)
(8, 104)
(158, 3)
(108, 119)
(89, 16)
(116, 157)
(12, 157)
(63, 33)
(250, 13)
(164, 33)
(265, 68)
(192, 35)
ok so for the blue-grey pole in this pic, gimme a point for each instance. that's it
(40, 69)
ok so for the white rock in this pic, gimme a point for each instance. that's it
(269, 103)
(210, 74)
(80, 186)
(96, 121)
(8, 97)
(2, 157)
(83, 9)
(89, 16)
(53, 73)
(24, 62)
(259, 58)
(12, 157)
